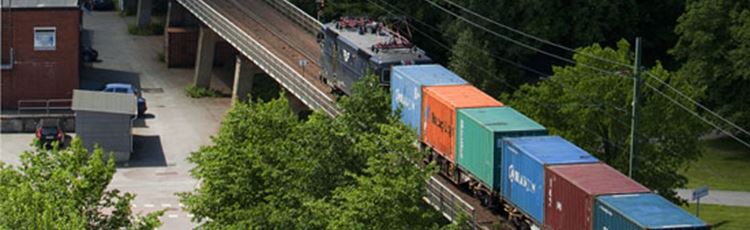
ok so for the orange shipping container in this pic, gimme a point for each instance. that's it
(439, 106)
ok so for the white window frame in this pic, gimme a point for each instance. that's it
(45, 29)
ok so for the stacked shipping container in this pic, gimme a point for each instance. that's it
(571, 190)
(524, 159)
(479, 144)
(439, 109)
(641, 211)
(406, 89)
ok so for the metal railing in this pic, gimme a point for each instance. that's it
(310, 24)
(438, 195)
(449, 203)
(292, 81)
(44, 104)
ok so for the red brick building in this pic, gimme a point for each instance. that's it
(40, 50)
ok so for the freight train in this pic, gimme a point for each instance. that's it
(507, 160)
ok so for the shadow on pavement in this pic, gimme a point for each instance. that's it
(141, 121)
(148, 152)
(96, 78)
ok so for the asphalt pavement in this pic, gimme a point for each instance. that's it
(719, 197)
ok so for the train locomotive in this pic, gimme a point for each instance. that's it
(353, 47)
(507, 160)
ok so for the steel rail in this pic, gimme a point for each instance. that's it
(310, 24)
(438, 195)
(292, 81)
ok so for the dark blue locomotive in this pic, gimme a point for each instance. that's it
(353, 47)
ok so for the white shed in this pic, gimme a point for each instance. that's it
(106, 120)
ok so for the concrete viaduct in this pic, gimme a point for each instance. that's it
(275, 37)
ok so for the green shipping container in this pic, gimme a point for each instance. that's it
(479, 145)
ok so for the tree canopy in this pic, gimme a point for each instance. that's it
(593, 109)
(268, 169)
(66, 189)
(714, 46)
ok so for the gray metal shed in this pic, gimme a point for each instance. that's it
(105, 119)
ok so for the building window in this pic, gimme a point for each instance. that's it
(45, 38)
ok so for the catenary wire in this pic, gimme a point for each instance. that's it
(697, 115)
(698, 104)
(573, 62)
(535, 37)
(568, 60)
(546, 106)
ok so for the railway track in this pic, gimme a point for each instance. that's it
(275, 35)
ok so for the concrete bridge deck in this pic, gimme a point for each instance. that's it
(275, 36)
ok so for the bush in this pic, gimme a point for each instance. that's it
(155, 28)
(199, 92)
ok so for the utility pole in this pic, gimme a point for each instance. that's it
(636, 104)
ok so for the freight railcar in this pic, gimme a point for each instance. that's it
(508, 162)
(353, 47)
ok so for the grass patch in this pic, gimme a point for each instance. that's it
(155, 28)
(723, 217)
(724, 166)
(199, 92)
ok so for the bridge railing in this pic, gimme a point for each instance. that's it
(310, 24)
(449, 203)
(438, 195)
(294, 82)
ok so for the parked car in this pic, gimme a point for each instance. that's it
(48, 131)
(128, 89)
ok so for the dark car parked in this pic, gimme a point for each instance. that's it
(48, 131)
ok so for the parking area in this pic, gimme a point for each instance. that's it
(173, 127)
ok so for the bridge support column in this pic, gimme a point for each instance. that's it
(244, 74)
(144, 13)
(296, 104)
(204, 60)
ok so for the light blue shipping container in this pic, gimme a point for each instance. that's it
(641, 211)
(524, 159)
(406, 88)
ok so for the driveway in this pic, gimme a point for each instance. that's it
(175, 125)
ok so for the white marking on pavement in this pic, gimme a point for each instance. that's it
(148, 205)
(172, 216)
(166, 205)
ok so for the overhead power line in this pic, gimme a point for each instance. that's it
(697, 115)
(514, 41)
(535, 37)
(584, 65)
(698, 104)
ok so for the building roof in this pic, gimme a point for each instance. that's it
(96, 101)
(38, 3)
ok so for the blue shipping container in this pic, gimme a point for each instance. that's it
(406, 88)
(641, 211)
(524, 159)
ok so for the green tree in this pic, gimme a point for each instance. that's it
(66, 189)
(267, 169)
(592, 109)
(714, 44)
(387, 194)
(475, 64)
